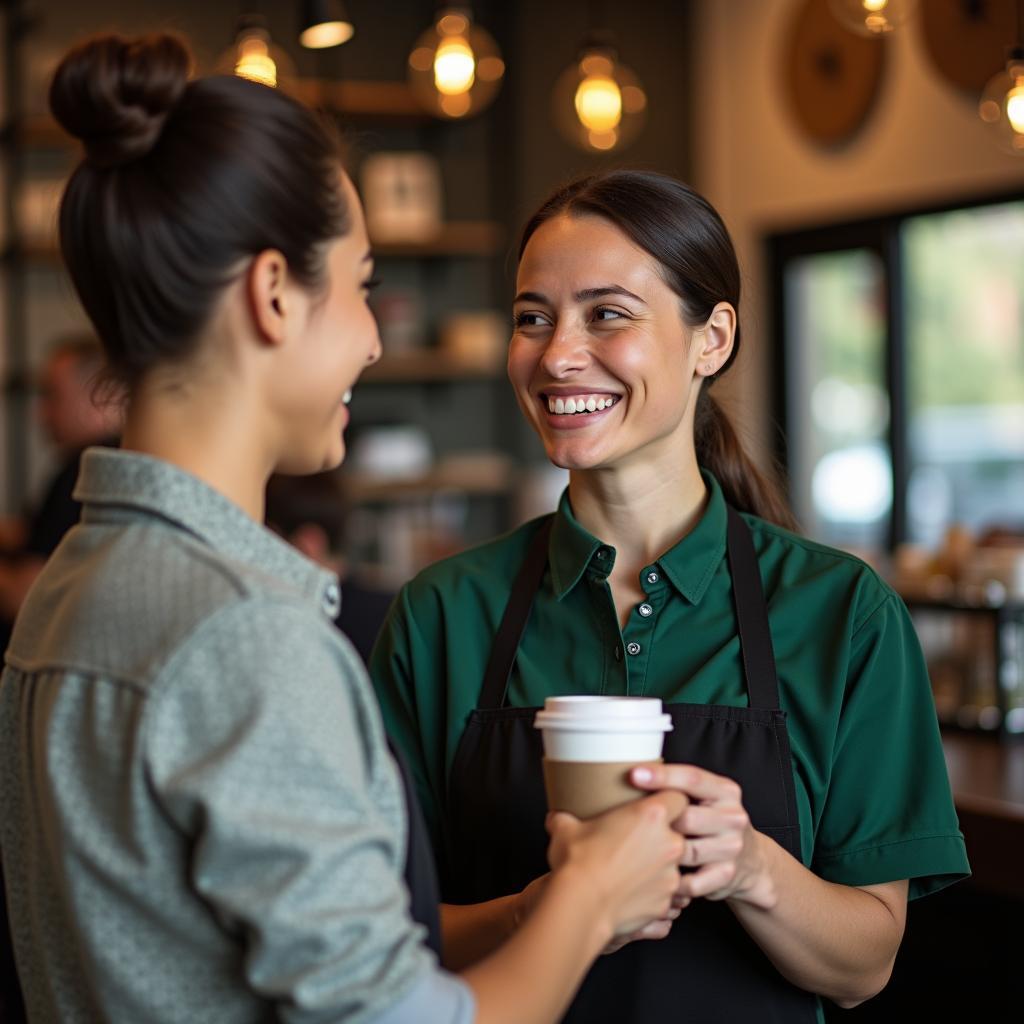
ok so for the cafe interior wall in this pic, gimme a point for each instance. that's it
(921, 143)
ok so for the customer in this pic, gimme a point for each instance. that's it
(73, 415)
(805, 733)
(199, 817)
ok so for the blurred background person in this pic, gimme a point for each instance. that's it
(74, 414)
(310, 512)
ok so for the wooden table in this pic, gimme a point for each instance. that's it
(987, 776)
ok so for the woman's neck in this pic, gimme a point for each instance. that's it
(641, 510)
(209, 431)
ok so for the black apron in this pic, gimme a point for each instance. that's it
(420, 871)
(708, 969)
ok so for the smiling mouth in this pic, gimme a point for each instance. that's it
(578, 405)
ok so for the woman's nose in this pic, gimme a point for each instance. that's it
(566, 351)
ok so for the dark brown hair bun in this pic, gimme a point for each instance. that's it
(115, 93)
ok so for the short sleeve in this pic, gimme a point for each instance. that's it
(889, 812)
(405, 673)
(265, 748)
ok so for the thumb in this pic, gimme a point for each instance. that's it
(562, 823)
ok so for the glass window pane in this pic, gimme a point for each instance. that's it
(838, 417)
(964, 280)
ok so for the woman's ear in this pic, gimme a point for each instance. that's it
(268, 300)
(715, 339)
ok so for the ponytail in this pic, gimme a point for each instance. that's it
(720, 451)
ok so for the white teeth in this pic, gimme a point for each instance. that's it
(347, 397)
(582, 404)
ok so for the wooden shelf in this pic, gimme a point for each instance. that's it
(351, 98)
(484, 475)
(458, 238)
(424, 366)
(359, 99)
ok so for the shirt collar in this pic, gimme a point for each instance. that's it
(112, 479)
(688, 565)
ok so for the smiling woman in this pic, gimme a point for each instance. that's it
(804, 733)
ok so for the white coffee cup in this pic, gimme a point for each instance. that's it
(590, 745)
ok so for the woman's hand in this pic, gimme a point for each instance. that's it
(630, 856)
(722, 846)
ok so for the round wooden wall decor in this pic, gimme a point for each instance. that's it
(967, 40)
(831, 77)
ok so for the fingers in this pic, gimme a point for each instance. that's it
(703, 820)
(697, 783)
(711, 881)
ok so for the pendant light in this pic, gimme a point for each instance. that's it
(455, 68)
(872, 17)
(255, 56)
(1002, 101)
(325, 23)
(599, 104)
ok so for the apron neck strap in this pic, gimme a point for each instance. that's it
(748, 599)
(751, 615)
(513, 622)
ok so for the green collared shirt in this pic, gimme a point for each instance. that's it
(199, 816)
(873, 797)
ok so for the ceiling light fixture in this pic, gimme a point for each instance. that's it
(599, 103)
(455, 68)
(325, 23)
(1002, 101)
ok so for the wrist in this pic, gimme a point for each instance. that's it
(758, 887)
(584, 900)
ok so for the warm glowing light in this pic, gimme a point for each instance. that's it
(598, 103)
(255, 63)
(454, 66)
(1015, 107)
(456, 106)
(603, 140)
(874, 5)
(327, 33)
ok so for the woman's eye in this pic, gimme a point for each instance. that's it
(370, 284)
(604, 313)
(529, 320)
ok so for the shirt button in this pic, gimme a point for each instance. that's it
(645, 610)
(652, 577)
(633, 648)
(332, 599)
(602, 553)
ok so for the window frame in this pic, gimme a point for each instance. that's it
(879, 235)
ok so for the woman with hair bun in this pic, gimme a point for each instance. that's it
(200, 819)
(804, 734)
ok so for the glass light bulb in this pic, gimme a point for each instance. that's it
(255, 63)
(1015, 107)
(874, 5)
(598, 102)
(454, 66)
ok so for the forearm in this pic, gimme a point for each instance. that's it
(534, 975)
(836, 940)
(471, 932)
